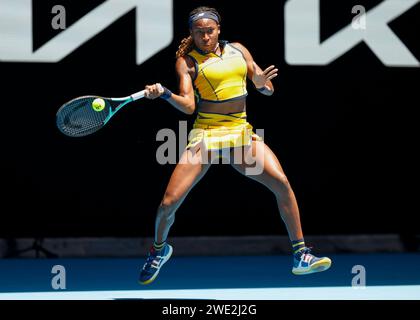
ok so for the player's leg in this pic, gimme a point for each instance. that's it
(190, 169)
(271, 174)
(273, 177)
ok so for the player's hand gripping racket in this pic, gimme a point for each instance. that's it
(85, 115)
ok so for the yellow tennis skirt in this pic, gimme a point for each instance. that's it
(218, 131)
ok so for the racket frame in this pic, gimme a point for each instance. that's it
(124, 100)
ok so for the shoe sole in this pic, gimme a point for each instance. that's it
(319, 266)
(156, 274)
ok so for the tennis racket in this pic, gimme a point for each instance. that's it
(78, 118)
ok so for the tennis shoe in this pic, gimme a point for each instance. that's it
(306, 263)
(155, 260)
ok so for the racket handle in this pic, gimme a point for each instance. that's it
(138, 95)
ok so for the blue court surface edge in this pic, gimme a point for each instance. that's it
(388, 276)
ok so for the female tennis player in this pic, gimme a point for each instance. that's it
(212, 82)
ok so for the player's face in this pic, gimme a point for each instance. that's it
(205, 33)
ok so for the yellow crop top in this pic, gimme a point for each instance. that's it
(220, 78)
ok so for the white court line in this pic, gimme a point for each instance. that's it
(312, 293)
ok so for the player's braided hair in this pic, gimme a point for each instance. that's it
(187, 44)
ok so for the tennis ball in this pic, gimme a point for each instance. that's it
(98, 104)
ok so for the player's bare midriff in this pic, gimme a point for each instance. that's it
(223, 107)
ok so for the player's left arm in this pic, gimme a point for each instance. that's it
(260, 78)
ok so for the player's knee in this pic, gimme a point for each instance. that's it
(169, 201)
(281, 183)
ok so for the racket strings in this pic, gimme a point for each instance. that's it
(78, 118)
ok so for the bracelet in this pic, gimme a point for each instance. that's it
(261, 89)
(166, 93)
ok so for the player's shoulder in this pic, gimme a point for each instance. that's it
(184, 62)
(239, 46)
(242, 49)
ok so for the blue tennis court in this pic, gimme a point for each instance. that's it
(388, 277)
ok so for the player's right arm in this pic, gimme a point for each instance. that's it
(184, 101)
